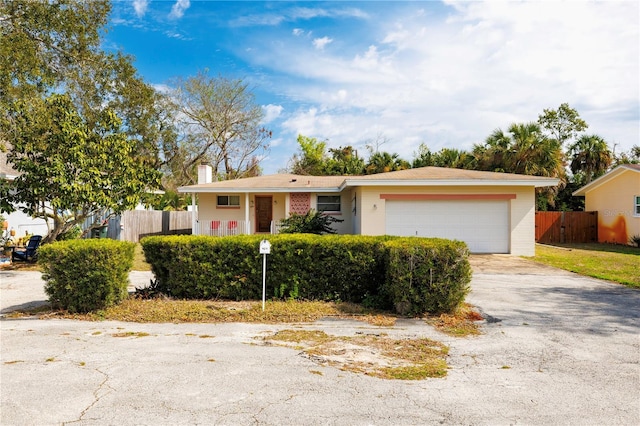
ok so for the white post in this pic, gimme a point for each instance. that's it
(247, 229)
(264, 279)
(194, 215)
(265, 249)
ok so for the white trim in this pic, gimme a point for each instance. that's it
(450, 182)
(237, 190)
(246, 210)
(390, 182)
(636, 204)
(194, 215)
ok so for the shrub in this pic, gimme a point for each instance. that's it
(350, 268)
(86, 275)
(426, 275)
(334, 267)
(312, 222)
(71, 234)
(635, 240)
(200, 267)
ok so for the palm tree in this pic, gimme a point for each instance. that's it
(524, 150)
(591, 156)
(450, 157)
(381, 162)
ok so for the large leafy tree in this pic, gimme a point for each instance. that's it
(218, 122)
(627, 157)
(311, 158)
(70, 170)
(52, 47)
(344, 161)
(43, 43)
(562, 124)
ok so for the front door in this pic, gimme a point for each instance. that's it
(264, 214)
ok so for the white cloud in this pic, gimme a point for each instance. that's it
(140, 7)
(162, 88)
(311, 13)
(320, 43)
(178, 9)
(449, 81)
(297, 32)
(297, 14)
(271, 112)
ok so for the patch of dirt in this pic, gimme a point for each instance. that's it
(372, 354)
(507, 264)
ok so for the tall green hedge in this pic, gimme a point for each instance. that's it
(86, 275)
(426, 275)
(351, 268)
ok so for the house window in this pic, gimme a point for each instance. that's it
(636, 207)
(228, 201)
(329, 203)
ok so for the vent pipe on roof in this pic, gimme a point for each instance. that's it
(205, 173)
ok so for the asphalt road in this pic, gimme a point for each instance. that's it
(557, 348)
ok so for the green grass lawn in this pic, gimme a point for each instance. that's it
(139, 263)
(610, 262)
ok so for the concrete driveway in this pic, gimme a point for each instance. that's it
(557, 348)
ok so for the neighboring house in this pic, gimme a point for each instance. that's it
(18, 221)
(491, 212)
(616, 198)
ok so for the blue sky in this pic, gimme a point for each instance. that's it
(443, 73)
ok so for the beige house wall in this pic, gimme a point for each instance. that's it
(208, 210)
(346, 226)
(372, 210)
(614, 202)
(364, 212)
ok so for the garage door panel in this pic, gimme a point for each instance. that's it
(483, 225)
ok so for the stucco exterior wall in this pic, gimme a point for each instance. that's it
(208, 210)
(364, 212)
(521, 211)
(346, 226)
(614, 202)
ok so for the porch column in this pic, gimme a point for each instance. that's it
(247, 225)
(287, 203)
(194, 215)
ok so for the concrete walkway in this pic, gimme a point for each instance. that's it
(557, 348)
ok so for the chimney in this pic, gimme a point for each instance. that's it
(204, 173)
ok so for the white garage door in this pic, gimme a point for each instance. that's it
(482, 224)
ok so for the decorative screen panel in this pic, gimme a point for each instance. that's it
(299, 202)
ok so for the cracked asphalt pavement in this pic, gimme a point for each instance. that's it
(557, 348)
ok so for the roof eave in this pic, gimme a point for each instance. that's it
(236, 190)
(538, 183)
(452, 182)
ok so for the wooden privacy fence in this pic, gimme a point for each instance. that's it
(136, 224)
(566, 227)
